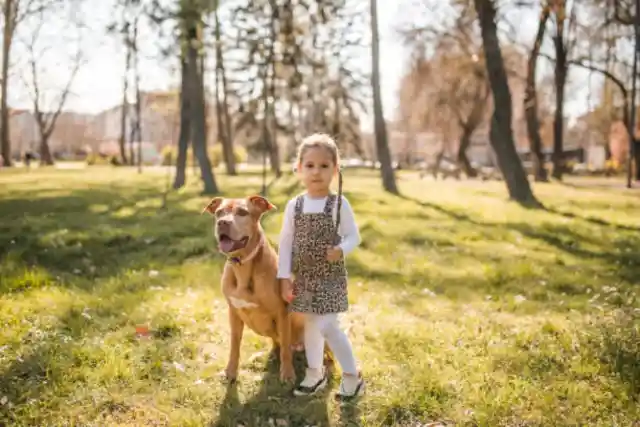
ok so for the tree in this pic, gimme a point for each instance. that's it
(46, 108)
(531, 99)
(185, 126)
(501, 134)
(127, 28)
(225, 134)
(382, 145)
(562, 42)
(14, 13)
(195, 76)
(605, 25)
(190, 48)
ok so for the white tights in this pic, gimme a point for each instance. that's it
(326, 327)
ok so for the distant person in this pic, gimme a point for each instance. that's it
(28, 156)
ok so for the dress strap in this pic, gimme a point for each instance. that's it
(299, 204)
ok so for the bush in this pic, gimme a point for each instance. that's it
(101, 159)
(169, 155)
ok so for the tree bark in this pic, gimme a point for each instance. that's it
(636, 155)
(222, 107)
(531, 101)
(198, 109)
(463, 160)
(9, 19)
(469, 124)
(185, 126)
(136, 72)
(46, 159)
(382, 143)
(270, 115)
(560, 77)
(125, 89)
(501, 134)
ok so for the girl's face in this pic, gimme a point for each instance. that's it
(316, 170)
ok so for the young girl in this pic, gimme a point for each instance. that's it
(318, 230)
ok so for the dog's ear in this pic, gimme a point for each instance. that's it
(213, 205)
(261, 203)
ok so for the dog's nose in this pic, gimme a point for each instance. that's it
(224, 224)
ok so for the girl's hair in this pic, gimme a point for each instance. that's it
(319, 140)
(324, 141)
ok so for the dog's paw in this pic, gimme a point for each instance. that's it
(228, 376)
(287, 374)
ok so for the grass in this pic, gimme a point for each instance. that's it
(466, 309)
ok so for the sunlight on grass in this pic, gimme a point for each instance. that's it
(466, 308)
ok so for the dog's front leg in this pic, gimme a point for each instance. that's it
(237, 327)
(287, 373)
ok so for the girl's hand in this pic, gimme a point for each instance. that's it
(334, 253)
(286, 290)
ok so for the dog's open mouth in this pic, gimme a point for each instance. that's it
(227, 244)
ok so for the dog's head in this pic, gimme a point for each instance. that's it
(237, 220)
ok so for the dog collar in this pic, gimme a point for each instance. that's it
(254, 252)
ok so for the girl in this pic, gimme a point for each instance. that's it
(318, 230)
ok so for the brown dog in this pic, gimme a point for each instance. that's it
(249, 281)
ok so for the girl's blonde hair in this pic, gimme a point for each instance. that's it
(319, 140)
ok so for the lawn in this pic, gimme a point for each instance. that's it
(466, 309)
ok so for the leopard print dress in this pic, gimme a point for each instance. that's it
(320, 286)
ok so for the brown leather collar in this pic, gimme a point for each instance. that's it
(239, 261)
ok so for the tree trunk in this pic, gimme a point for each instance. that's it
(531, 101)
(46, 159)
(560, 76)
(185, 127)
(469, 124)
(463, 160)
(270, 114)
(382, 144)
(125, 89)
(9, 10)
(222, 107)
(501, 134)
(198, 111)
(636, 155)
(136, 72)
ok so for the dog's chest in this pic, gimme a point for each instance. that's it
(241, 303)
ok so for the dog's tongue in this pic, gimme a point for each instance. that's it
(226, 245)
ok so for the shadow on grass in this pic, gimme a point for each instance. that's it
(274, 404)
(594, 221)
(96, 233)
(621, 251)
(619, 343)
(59, 361)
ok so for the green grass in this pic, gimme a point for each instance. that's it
(466, 309)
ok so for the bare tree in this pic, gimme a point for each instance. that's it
(531, 98)
(47, 109)
(14, 13)
(194, 73)
(501, 138)
(382, 144)
(188, 18)
(123, 28)
(563, 41)
(225, 134)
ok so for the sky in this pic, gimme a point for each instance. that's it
(98, 84)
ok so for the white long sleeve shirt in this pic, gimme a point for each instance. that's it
(348, 230)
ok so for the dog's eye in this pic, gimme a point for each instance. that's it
(242, 212)
(219, 213)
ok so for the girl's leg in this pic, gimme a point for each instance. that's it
(315, 378)
(351, 384)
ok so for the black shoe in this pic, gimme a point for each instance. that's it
(311, 384)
